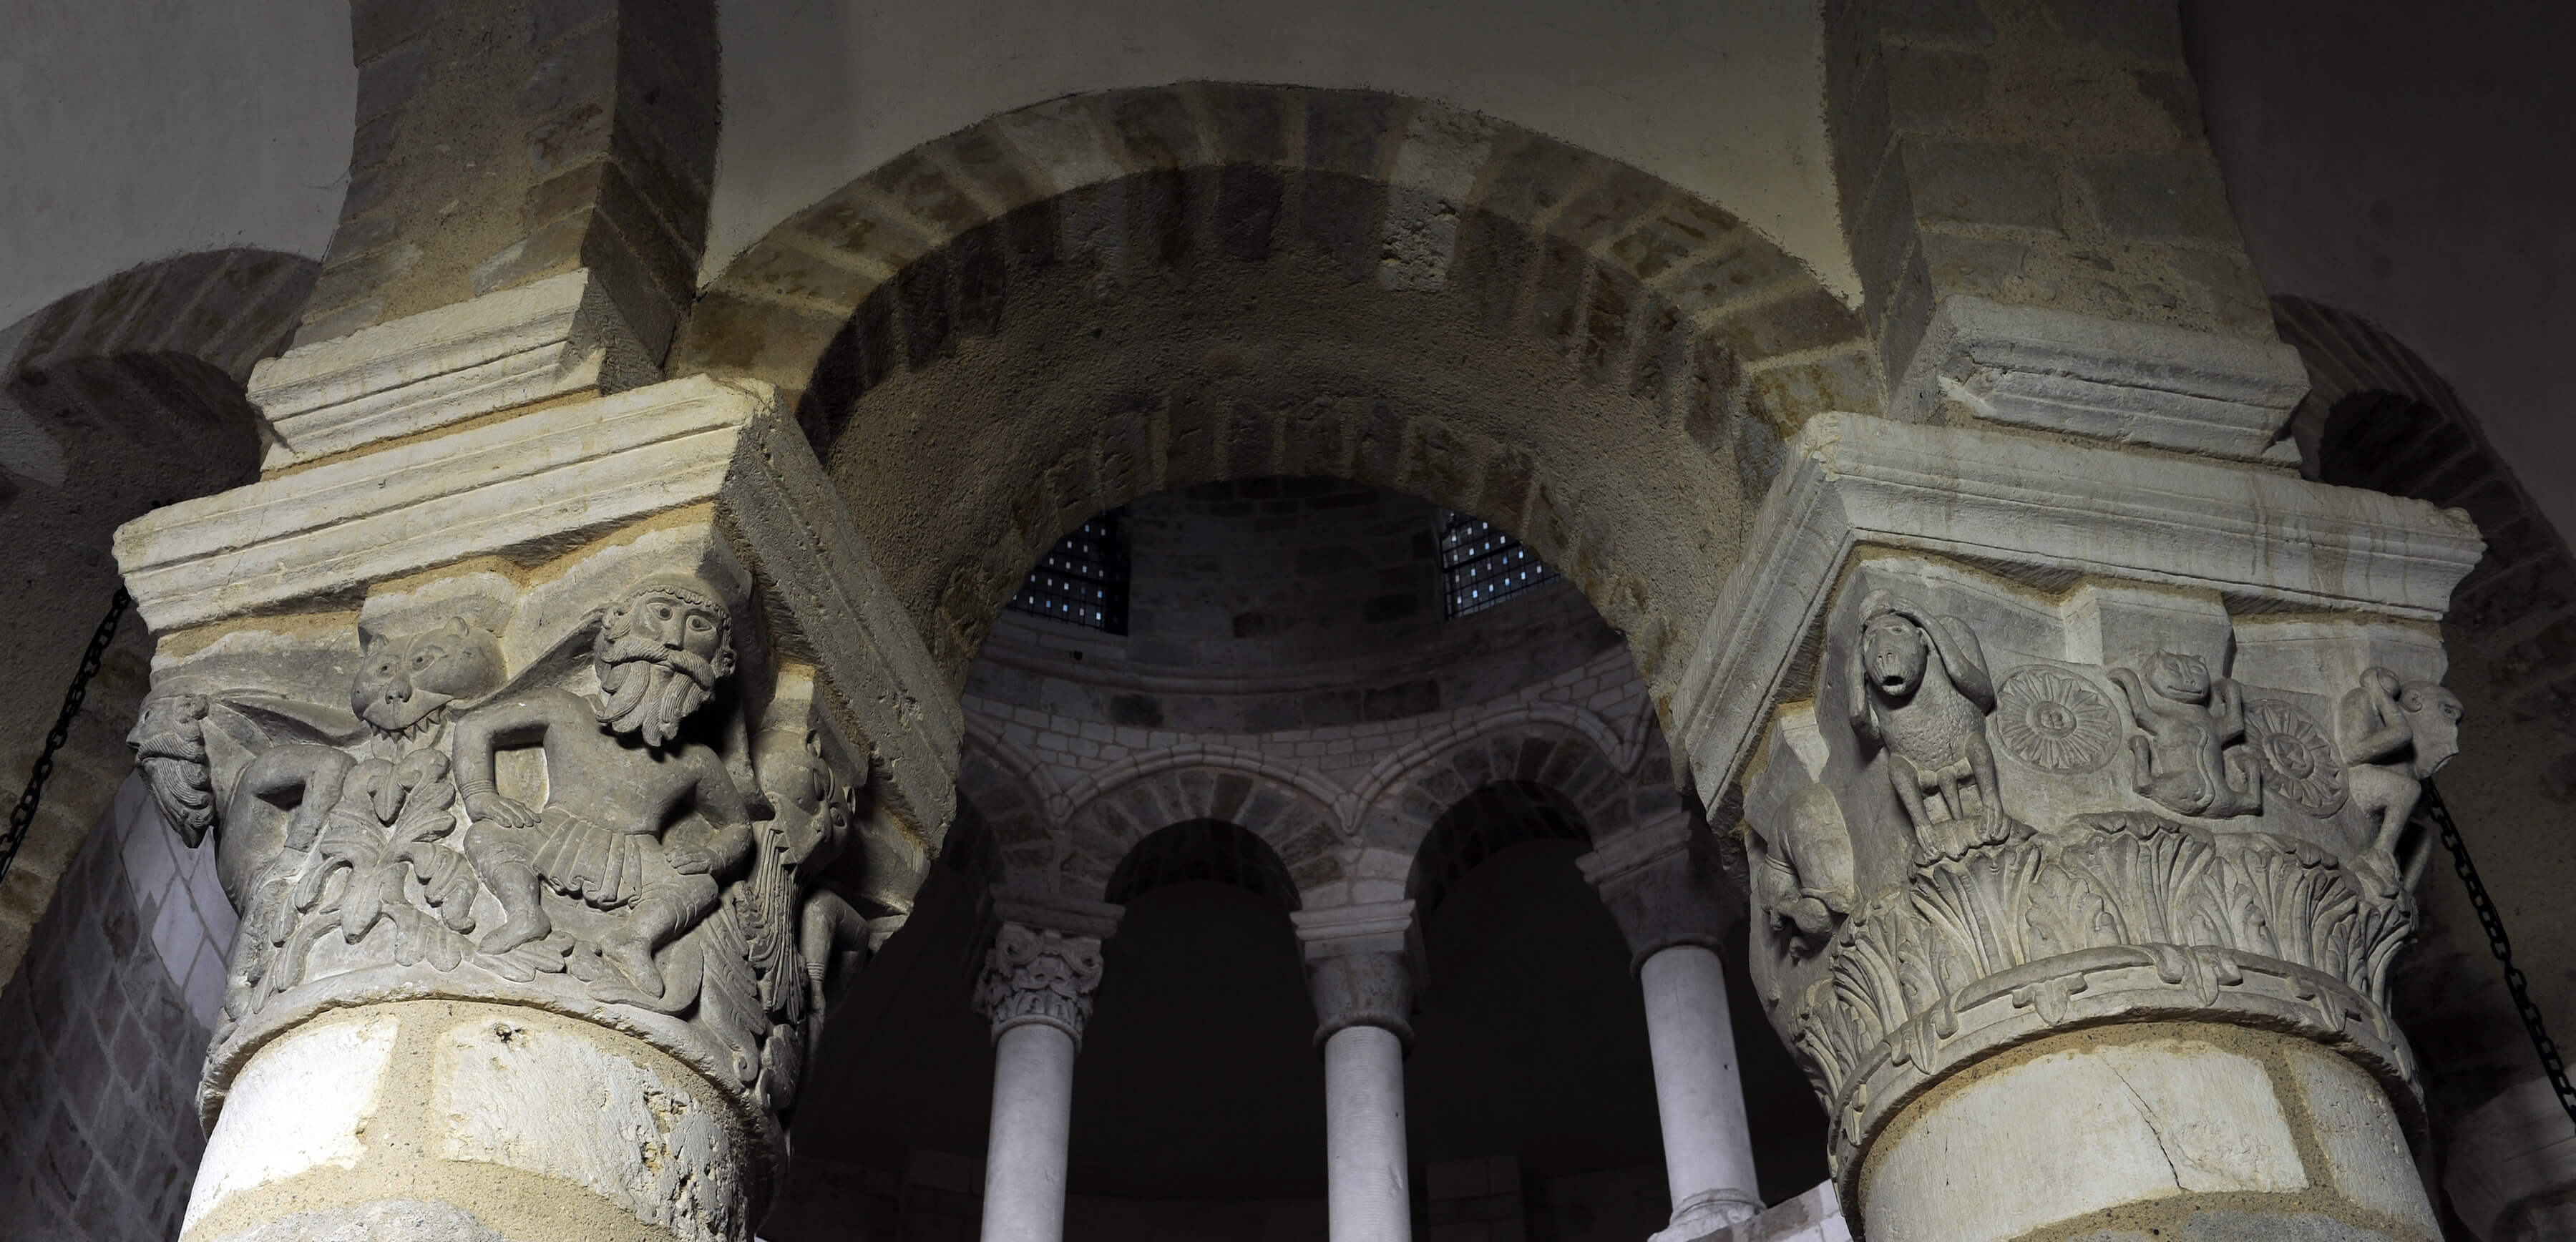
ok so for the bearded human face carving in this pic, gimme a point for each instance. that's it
(659, 655)
(405, 685)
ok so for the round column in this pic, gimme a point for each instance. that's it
(1675, 910)
(1364, 1163)
(456, 1120)
(1032, 1118)
(1037, 988)
(1708, 1151)
(2175, 1129)
(1360, 969)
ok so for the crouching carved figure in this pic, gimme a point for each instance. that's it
(621, 778)
(2192, 757)
(2394, 736)
(1919, 688)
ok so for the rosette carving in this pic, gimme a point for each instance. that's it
(2298, 761)
(2055, 721)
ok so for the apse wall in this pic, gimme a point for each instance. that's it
(1272, 604)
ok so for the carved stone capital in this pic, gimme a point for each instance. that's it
(2005, 814)
(612, 720)
(1034, 975)
(1662, 889)
(1363, 966)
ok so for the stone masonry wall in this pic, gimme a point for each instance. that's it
(1272, 604)
(103, 1030)
(502, 141)
(2044, 153)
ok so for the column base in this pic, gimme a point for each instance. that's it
(460, 1120)
(1706, 1216)
(2155, 1130)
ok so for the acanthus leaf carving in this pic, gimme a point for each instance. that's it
(2132, 868)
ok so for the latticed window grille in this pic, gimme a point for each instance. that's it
(1083, 578)
(1480, 566)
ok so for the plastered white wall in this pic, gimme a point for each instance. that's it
(1724, 99)
(133, 130)
(2409, 162)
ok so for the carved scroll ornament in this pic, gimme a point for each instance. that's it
(1038, 976)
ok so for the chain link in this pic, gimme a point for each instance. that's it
(2433, 809)
(24, 814)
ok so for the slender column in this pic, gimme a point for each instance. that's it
(1036, 987)
(1361, 964)
(1675, 916)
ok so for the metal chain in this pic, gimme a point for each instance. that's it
(24, 814)
(2432, 808)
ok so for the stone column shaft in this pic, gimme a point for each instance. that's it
(1708, 1149)
(1362, 964)
(1036, 987)
(1367, 1186)
(1676, 914)
(1025, 1156)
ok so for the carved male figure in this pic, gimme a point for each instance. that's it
(619, 775)
(2394, 736)
(2192, 758)
(1919, 687)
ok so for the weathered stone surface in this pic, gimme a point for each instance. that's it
(2132, 383)
(2014, 501)
(306, 1102)
(2074, 1132)
(557, 336)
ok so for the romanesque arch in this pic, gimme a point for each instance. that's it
(1202, 849)
(1302, 830)
(1416, 787)
(1039, 317)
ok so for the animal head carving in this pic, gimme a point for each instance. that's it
(816, 808)
(404, 684)
(2182, 678)
(1893, 654)
(2433, 717)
